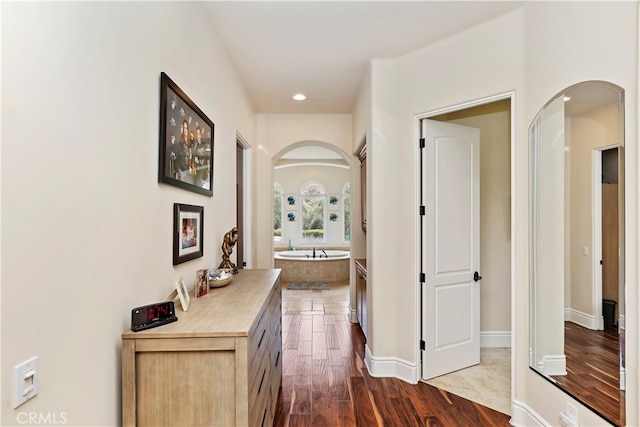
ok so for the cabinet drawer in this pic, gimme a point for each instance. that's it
(260, 378)
(258, 347)
(271, 314)
(264, 418)
(259, 395)
(276, 374)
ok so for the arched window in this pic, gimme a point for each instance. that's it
(312, 201)
(278, 195)
(346, 211)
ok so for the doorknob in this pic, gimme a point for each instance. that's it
(476, 277)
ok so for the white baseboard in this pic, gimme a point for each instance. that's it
(586, 320)
(553, 364)
(384, 367)
(353, 316)
(523, 416)
(390, 367)
(495, 339)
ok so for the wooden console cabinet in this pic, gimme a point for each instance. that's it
(220, 364)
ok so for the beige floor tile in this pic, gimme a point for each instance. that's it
(488, 383)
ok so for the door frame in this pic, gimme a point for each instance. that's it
(247, 209)
(597, 233)
(511, 96)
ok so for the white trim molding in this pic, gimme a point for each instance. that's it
(585, 320)
(523, 415)
(390, 367)
(553, 364)
(353, 316)
(495, 339)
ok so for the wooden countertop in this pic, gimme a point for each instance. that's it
(363, 263)
(227, 311)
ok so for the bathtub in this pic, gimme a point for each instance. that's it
(300, 266)
(308, 253)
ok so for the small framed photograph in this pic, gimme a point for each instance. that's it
(188, 232)
(333, 216)
(183, 294)
(290, 200)
(334, 200)
(186, 141)
(202, 282)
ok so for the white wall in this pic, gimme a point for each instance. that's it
(562, 48)
(86, 228)
(535, 51)
(547, 141)
(564, 51)
(427, 80)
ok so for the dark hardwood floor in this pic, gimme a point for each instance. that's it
(325, 382)
(593, 370)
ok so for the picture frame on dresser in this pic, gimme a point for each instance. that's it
(183, 294)
(202, 282)
(186, 141)
(188, 232)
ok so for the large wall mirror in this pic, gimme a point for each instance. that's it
(577, 245)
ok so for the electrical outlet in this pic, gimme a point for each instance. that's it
(25, 381)
(566, 421)
(572, 411)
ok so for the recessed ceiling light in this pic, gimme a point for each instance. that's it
(299, 97)
(567, 98)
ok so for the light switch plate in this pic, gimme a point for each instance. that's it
(25, 381)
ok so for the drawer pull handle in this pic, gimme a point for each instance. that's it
(261, 338)
(262, 380)
(277, 359)
(264, 417)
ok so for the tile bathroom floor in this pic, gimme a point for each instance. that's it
(488, 383)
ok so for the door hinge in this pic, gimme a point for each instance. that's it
(422, 278)
(423, 345)
(423, 210)
(421, 143)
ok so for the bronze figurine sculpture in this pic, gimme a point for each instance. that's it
(228, 243)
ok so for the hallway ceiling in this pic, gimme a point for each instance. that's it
(322, 48)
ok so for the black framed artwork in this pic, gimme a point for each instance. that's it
(186, 141)
(188, 232)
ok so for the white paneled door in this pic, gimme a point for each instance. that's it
(450, 248)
